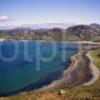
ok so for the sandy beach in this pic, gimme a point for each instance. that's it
(84, 42)
(2, 39)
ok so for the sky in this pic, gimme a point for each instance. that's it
(49, 11)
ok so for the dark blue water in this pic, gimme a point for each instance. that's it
(28, 70)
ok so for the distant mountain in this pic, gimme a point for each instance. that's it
(52, 31)
(85, 32)
(39, 26)
(95, 25)
(50, 25)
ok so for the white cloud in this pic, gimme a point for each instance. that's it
(4, 18)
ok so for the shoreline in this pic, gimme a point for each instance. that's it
(55, 84)
(68, 79)
(68, 74)
(85, 42)
(2, 40)
(73, 42)
(94, 69)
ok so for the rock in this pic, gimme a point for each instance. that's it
(98, 55)
(61, 92)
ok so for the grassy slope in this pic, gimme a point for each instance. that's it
(81, 93)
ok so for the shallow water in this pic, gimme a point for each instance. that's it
(30, 69)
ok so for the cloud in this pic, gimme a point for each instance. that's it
(4, 18)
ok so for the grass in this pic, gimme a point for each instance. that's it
(96, 55)
(80, 93)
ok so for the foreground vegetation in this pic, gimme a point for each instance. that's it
(80, 93)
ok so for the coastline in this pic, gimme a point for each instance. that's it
(73, 42)
(57, 83)
(62, 94)
(94, 69)
(2, 40)
(72, 70)
(84, 42)
(68, 74)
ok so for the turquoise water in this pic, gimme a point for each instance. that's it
(24, 74)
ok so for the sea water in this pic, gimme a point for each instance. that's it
(29, 65)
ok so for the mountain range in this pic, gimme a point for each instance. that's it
(38, 26)
(53, 31)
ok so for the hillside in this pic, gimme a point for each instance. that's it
(84, 32)
(74, 33)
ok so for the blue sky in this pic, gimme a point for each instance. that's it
(49, 11)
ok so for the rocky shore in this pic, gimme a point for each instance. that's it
(82, 72)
